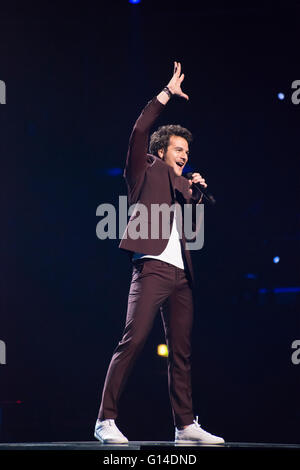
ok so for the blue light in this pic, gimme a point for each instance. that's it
(281, 96)
(134, 1)
(250, 276)
(280, 290)
(276, 259)
(114, 171)
(187, 169)
(263, 290)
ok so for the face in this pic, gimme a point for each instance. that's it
(176, 154)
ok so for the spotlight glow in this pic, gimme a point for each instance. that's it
(281, 96)
(162, 350)
(134, 1)
(276, 259)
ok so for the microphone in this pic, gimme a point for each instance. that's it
(202, 188)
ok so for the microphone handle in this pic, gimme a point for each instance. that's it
(205, 193)
(203, 190)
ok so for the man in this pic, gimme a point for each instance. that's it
(162, 276)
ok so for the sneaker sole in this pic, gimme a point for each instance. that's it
(181, 441)
(111, 441)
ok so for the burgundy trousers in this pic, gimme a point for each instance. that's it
(155, 286)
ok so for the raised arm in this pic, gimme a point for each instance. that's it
(136, 161)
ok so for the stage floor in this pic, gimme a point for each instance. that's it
(139, 454)
(140, 445)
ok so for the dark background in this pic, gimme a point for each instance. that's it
(77, 77)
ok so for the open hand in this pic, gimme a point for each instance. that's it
(174, 84)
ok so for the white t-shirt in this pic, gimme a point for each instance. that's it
(172, 254)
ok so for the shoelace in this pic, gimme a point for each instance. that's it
(197, 424)
(109, 422)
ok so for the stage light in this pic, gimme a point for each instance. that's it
(134, 1)
(286, 290)
(114, 171)
(281, 96)
(162, 350)
(276, 259)
(250, 276)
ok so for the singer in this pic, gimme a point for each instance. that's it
(162, 273)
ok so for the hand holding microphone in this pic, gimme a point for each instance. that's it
(199, 182)
(195, 178)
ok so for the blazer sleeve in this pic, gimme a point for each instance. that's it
(136, 161)
(192, 199)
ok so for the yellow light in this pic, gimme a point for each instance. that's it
(162, 350)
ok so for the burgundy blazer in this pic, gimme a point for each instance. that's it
(151, 181)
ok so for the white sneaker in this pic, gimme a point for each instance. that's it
(195, 434)
(107, 432)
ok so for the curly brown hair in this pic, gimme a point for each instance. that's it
(160, 139)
